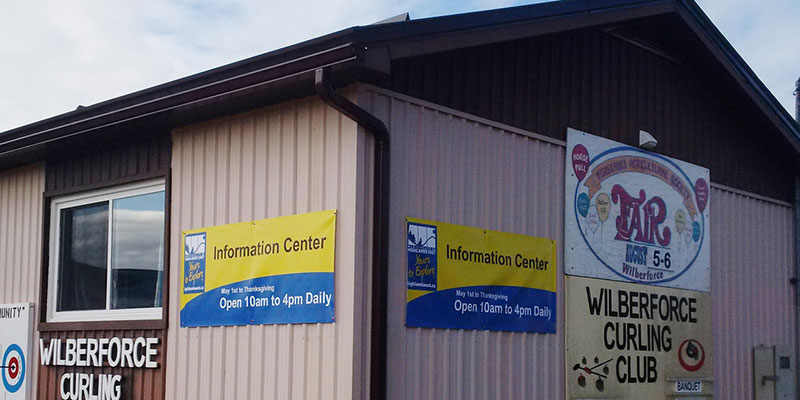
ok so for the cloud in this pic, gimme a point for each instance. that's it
(138, 240)
(56, 55)
(65, 54)
(765, 33)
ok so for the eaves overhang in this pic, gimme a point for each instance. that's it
(183, 100)
(363, 52)
(724, 52)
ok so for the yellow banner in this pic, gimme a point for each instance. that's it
(235, 262)
(472, 278)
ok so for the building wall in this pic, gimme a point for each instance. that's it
(752, 258)
(595, 82)
(453, 167)
(302, 156)
(20, 244)
(148, 157)
(101, 166)
(295, 157)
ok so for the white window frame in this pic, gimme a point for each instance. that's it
(110, 194)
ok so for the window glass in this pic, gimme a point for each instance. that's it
(137, 251)
(83, 258)
(107, 254)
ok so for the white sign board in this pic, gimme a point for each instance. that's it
(633, 341)
(635, 216)
(695, 386)
(16, 329)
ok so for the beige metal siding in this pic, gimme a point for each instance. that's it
(752, 262)
(454, 167)
(296, 157)
(21, 244)
(448, 167)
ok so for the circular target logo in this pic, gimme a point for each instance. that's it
(13, 368)
(691, 355)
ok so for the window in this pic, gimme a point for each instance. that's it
(107, 254)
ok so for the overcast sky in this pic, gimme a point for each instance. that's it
(56, 55)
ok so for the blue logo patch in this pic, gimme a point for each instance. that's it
(194, 263)
(421, 250)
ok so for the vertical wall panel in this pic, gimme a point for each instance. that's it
(453, 167)
(292, 158)
(109, 165)
(752, 263)
(21, 244)
(446, 167)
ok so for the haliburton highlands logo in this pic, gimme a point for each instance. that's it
(194, 263)
(421, 251)
(655, 212)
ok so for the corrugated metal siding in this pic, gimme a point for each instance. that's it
(592, 81)
(109, 165)
(448, 168)
(20, 243)
(498, 177)
(752, 262)
(296, 157)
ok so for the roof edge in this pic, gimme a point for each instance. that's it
(153, 103)
(715, 41)
(362, 45)
(215, 75)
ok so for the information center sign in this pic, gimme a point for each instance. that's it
(635, 216)
(461, 277)
(273, 271)
(633, 341)
(16, 330)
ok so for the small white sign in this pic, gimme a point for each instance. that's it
(15, 332)
(689, 386)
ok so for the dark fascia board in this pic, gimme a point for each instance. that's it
(374, 47)
(155, 102)
(181, 87)
(429, 35)
(722, 50)
(496, 18)
(543, 26)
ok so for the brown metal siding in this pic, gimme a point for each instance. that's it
(20, 243)
(592, 81)
(109, 165)
(295, 157)
(104, 166)
(752, 264)
(137, 383)
(455, 169)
